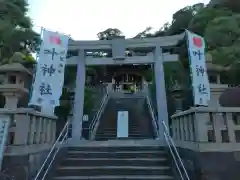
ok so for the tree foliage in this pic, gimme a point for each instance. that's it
(223, 31)
(109, 33)
(219, 24)
(201, 19)
(230, 4)
(145, 33)
(182, 18)
(16, 34)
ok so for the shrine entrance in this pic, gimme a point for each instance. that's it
(123, 81)
(154, 55)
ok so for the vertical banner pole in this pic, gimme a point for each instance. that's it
(35, 69)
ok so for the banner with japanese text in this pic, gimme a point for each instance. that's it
(4, 126)
(200, 82)
(49, 77)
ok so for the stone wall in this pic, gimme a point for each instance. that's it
(211, 165)
(26, 166)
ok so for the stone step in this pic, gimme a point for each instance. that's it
(129, 135)
(139, 123)
(115, 177)
(111, 147)
(112, 137)
(104, 132)
(112, 170)
(119, 154)
(115, 162)
(113, 128)
(115, 138)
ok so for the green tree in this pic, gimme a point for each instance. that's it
(16, 34)
(182, 18)
(109, 33)
(145, 33)
(199, 22)
(223, 31)
(69, 80)
(223, 37)
(230, 4)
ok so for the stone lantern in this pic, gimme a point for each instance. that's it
(177, 93)
(13, 78)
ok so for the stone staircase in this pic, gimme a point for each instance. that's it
(124, 160)
(140, 125)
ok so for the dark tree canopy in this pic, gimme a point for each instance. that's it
(109, 33)
(16, 34)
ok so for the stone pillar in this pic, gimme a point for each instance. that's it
(218, 79)
(160, 92)
(79, 98)
(177, 96)
(11, 100)
(143, 82)
(22, 129)
(121, 87)
(113, 85)
(109, 87)
(178, 103)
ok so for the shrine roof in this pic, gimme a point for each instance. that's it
(14, 67)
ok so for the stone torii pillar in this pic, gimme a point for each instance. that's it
(79, 97)
(162, 112)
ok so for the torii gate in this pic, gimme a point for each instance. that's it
(118, 47)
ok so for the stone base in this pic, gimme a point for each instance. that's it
(210, 165)
(23, 167)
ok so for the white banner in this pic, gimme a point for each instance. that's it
(49, 79)
(200, 83)
(4, 125)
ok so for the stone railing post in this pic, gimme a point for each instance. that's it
(231, 127)
(22, 129)
(201, 126)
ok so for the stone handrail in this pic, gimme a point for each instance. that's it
(207, 129)
(29, 111)
(29, 127)
(31, 135)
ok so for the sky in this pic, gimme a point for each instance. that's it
(83, 19)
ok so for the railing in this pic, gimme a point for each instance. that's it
(154, 122)
(172, 147)
(43, 171)
(208, 126)
(96, 118)
(174, 153)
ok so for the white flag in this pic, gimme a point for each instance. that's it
(200, 83)
(49, 78)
